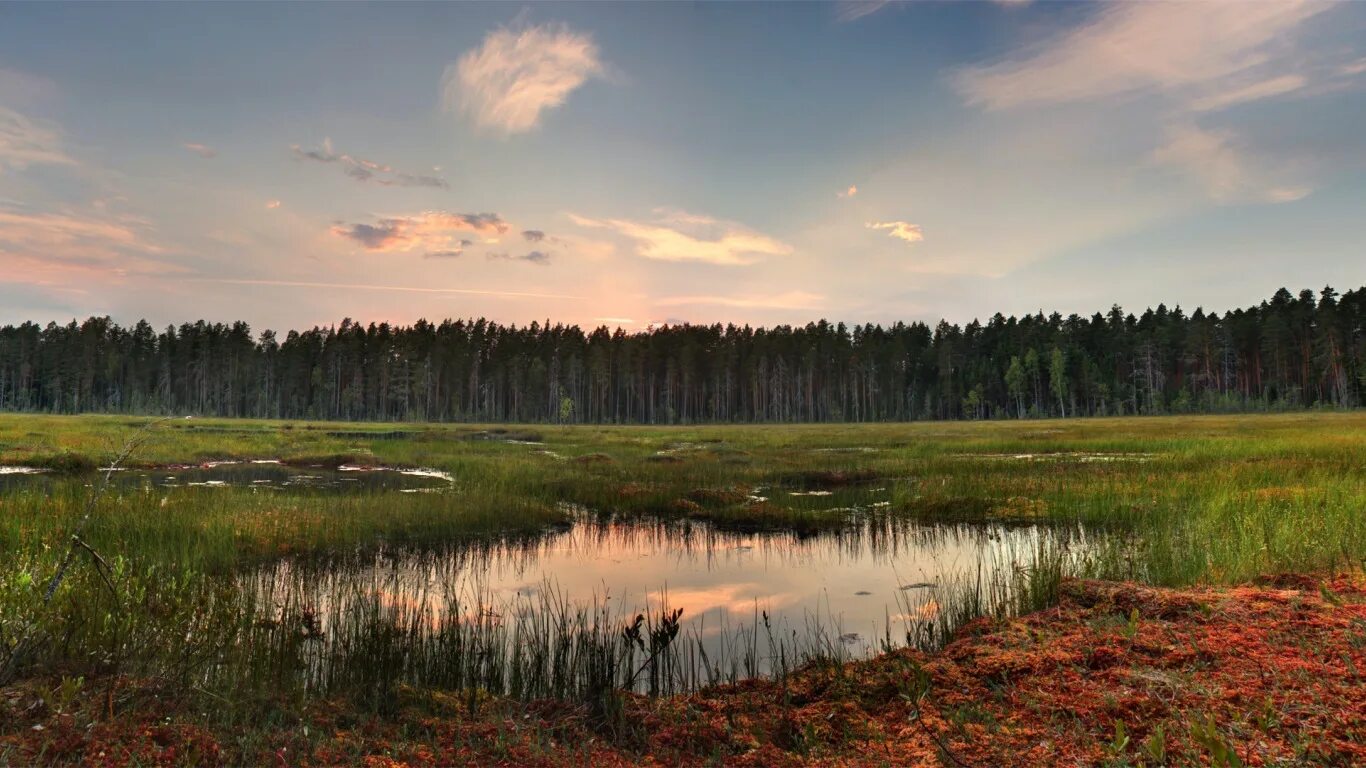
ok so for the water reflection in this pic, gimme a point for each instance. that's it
(881, 580)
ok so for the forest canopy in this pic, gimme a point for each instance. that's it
(1290, 351)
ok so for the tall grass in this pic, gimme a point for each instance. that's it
(1168, 501)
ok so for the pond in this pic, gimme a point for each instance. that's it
(749, 602)
(532, 615)
(260, 475)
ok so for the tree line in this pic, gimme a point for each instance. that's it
(1287, 352)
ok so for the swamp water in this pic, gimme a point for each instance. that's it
(749, 604)
(264, 475)
(552, 614)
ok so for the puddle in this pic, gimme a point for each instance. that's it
(1063, 456)
(259, 475)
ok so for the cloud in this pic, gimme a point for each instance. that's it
(506, 84)
(22, 88)
(681, 236)
(384, 288)
(850, 192)
(614, 320)
(1262, 89)
(453, 253)
(899, 229)
(1191, 50)
(201, 150)
(788, 300)
(533, 235)
(534, 257)
(433, 231)
(273, 204)
(1228, 172)
(853, 10)
(25, 142)
(43, 248)
(364, 170)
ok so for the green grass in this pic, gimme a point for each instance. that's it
(1167, 501)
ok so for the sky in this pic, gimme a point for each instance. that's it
(618, 164)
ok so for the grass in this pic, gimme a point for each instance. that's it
(1206, 500)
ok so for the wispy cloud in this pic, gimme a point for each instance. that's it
(850, 192)
(1352, 68)
(384, 288)
(1262, 89)
(681, 236)
(534, 257)
(48, 247)
(434, 231)
(1188, 50)
(787, 300)
(899, 229)
(1228, 172)
(22, 88)
(853, 10)
(506, 84)
(452, 253)
(367, 171)
(25, 142)
(203, 151)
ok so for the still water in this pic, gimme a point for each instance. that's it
(264, 476)
(880, 580)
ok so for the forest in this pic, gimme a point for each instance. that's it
(1288, 352)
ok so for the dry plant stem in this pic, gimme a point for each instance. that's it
(77, 544)
(132, 445)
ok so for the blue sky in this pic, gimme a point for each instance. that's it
(291, 165)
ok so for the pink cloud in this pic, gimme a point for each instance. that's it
(435, 231)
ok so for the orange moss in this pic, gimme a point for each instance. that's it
(1273, 671)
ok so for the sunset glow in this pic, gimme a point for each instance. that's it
(629, 165)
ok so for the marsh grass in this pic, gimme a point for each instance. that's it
(1167, 501)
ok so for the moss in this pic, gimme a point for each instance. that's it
(66, 462)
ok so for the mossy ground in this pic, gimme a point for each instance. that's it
(1116, 674)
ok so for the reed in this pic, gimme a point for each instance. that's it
(202, 577)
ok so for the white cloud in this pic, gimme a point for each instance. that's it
(899, 229)
(787, 300)
(681, 236)
(201, 150)
(853, 10)
(1352, 68)
(25, 142)
(1194, 49)
(850, 192)
(506, 84)
(1228, 173)
(1262, 89)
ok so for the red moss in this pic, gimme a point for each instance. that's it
(1277, 668)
